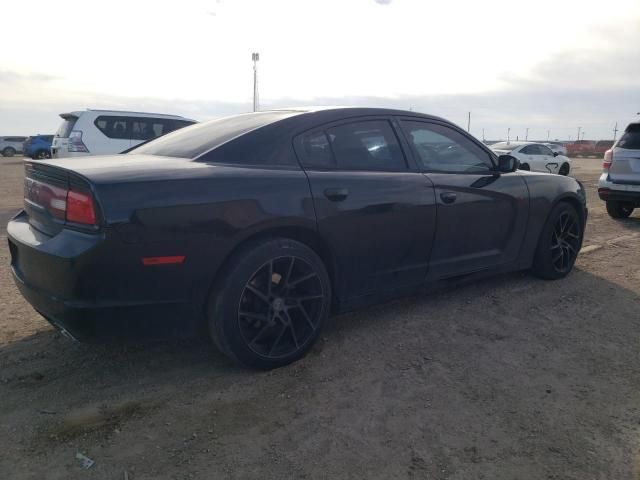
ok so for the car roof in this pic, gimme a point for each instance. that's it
(77, 113)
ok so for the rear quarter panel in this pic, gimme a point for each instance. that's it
(202, 216)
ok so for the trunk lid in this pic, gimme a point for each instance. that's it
(48, 193)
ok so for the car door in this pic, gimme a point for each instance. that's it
(550, 161)
(376, 211)
(531, 155)
(482, 214)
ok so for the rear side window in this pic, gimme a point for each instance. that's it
(443, 149)
(66, 126)
(631, 138)
(368, 145)
(113, 127)
(201, 138)
(530, 150)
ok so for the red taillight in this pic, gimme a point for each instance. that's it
(80, 208)
(608, 160)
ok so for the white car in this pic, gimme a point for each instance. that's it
(101, 132)
(619, 184)
(534, 156)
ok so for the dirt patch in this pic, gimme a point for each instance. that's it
(511, 377)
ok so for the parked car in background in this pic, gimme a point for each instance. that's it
(38, 146)
(557, 147)
(581, 148)
(99, 132)
(257, 226)
(9, 146)
(619, 184)
(534, 156)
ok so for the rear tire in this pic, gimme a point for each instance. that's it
(559, 243)
(524, 166)
(617, 209)
(8, 152)
(41, 155)
(270, 304)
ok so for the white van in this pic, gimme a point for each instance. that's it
(100, 132)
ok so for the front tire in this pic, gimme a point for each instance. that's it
(271, 304)
(42, 154)
(559, 243)
(8, 152)
(617, 209)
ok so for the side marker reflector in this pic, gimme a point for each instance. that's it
(147, 261)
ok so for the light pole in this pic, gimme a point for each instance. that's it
(526, 135)
(255, 57)
(582, 135)
(483, 135)
(578, 137)
(508, 133)
(469, 122)
(548, 134)
(615, 132)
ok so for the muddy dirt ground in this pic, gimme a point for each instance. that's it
(508, 378)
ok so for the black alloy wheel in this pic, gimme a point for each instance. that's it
(565, 242)
(559, 243)
(280, 307)
(269, 303)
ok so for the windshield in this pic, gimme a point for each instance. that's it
(193, 141)
(504, 146)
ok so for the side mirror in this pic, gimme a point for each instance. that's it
(507, 164)
(555, 154)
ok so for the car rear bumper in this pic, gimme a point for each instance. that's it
(64, 281)
(619, 192)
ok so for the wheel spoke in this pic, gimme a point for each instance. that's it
(304, 298)
(255, 316)
(270, 279)
(258, 294)
(287, 278)
(259, 334)
(277, 341)
(293, 331)
(302, 279)
(558, 256)
(306, 316)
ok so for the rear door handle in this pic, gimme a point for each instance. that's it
(448, 197)
(336, 194)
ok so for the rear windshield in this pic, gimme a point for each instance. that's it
(631, 137)
(66, 126)
(193, 141)
(503, 146)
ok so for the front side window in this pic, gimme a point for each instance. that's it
(544, 150)
(317, 151)
(443, 149)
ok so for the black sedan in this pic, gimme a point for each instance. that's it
(256, 227)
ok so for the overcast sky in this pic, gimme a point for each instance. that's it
(546, 64)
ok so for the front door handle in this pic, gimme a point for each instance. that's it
(448, 197)
(336, 194)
